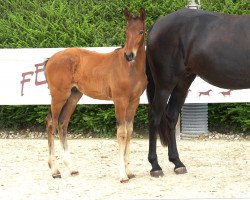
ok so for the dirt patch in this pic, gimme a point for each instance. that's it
(216, 169)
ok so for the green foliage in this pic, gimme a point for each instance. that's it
(23, 117)
(227, 6)
(94, 118)
(230, 116)
(101, 119)
(64, 23)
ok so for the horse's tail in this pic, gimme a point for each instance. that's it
(151, 86)
(164, 124)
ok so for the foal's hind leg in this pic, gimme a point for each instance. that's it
(52, 125)
(64, 118)
(52, 158)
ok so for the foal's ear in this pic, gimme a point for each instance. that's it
(142, 14)
(127, 14)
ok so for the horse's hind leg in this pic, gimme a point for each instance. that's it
(64, 118)
(155, 115)
(52, 125)
(173, 109)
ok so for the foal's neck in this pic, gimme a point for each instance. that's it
(140, 57)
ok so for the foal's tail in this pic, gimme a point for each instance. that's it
(44, 67)
(164, 124)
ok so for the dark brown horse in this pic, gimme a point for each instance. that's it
(117, 76)
(181, 46)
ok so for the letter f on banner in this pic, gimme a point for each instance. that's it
(25, 80)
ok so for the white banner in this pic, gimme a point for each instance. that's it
(23, 82)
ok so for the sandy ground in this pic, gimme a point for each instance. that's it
(216, 169)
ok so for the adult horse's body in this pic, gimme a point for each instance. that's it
(117, 76)
(181, 46)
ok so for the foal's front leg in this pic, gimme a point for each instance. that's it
(133, 105)
(122, 137)
(129, 127)
(120, 111)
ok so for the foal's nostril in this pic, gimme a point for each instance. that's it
(129, 56)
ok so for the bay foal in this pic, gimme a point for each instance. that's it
(117, 76)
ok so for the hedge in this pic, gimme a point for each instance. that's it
(64, 23)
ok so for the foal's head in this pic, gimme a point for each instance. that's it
(134, 34)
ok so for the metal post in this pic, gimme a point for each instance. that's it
(194, 120)
(194, 4)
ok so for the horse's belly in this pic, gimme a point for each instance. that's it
(226, 80)
(225, 69)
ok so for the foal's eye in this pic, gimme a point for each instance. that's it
(141, 32)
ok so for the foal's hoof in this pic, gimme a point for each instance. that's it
(180, 170)
(157, 173)
(56, 176)
(124, 180)
(74, 173)
(131, 176)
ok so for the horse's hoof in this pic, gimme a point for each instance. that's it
(157, 174)
(131, 176)
(180, 170)
(74, 173)
(56, 176)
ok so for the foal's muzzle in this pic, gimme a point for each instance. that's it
(129, 56)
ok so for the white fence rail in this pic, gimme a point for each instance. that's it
(23, 82)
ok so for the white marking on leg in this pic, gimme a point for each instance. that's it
(67, 159)
(122, 137)
(129, 127)
(52, 159)
(68, 162)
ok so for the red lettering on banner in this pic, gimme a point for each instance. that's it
(25, 80)
(37, 71)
